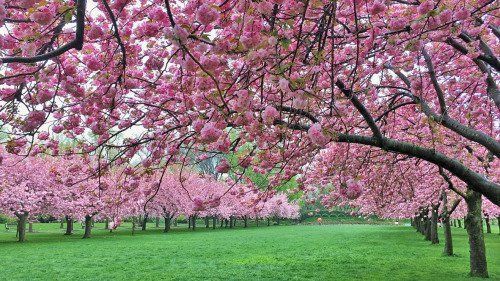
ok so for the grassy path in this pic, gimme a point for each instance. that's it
(329, 252)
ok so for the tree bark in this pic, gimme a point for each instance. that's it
(207, 222)
(21, 226)
(88, 226)
(428, 229)
(30, 227)
(268, 221)
(145, 221)
(106, 224)
(474, 225)
(167, 222)
(189, 222)
(214, 221)
(69, 226)
(194, 222)
(488, 225)
(448, 242)
(245, 221)
(434, 225)
(231, 222)
(454, 223)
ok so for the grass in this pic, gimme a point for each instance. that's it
(296, 252)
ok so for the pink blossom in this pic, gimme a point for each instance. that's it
(377, 7)
(210, 133)
(223, 166)
(43, 16)
(425, 7)
(316, 135)
(34, 120)
(269, 115)
(206, 14)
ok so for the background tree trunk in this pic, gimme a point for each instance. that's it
(157, 222)
(167, 222)
(488, 225)
(21, 226)
(194, 222)
(106, 224)
(88, 226)
(434, 225)
(214, 221)
(207, 222)
(245, 221)
(62, 223)
(459, 223)
(189, 222)
(448, 242)
(145, 221)
(30, 227)
(428, 229)
(474, 226)
(69, 226)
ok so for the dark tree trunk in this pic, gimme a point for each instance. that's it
(88, 226)
(69, 226)
(106, 224)
(488, 225)
(30, 227)
(231, 222)
(278, 220)
(21, 226)
(428, 229)
(268, 221)
(61, 226)
(221, 223)
(465, 224)
(474, 226)
(194, 222)
(459, 223)
(448, 242)
(245, 221)
(145, 221)
(157, 222)
(214, 221)
(226, 221)
(207, 222)
(189, 222)
(454, 223)
(167, 222)
(434, 225)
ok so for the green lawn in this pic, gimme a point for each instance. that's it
(328, 252)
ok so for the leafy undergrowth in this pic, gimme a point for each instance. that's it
(300, 252)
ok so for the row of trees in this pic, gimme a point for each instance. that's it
(396, 87)
(68, 188)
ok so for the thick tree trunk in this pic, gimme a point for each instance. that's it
(145, 221)
(30, 227)
(488, 225)
(157, 222)
(106, 224)
(434, 225)
(448, 242)
(21, 226)
(474, 226)
(214, 221)
(194, 222)
(428, 229)
(167, 222)
(69, 226)
(189, 222)
(245, 221)
(88, 226)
